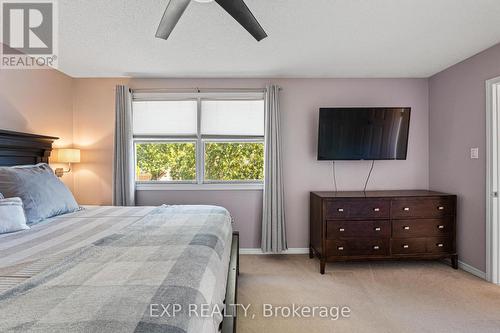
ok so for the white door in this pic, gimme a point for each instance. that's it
(492, 180)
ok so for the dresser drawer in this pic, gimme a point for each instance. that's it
(409, 246)
(422, 208)
(361, 229)
(358, 209)
(422, 227)
(357, 247)
(370, 209)
(337, 210)
(439, 245)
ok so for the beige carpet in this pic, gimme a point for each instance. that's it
(382, 296)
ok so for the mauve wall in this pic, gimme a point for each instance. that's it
(81, 110)
(457, 99)
(300, 101)
(94, 119)
(38, 101)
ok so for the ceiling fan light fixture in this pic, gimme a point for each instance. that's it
(236, 8)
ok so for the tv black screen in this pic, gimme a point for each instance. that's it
(363, 133)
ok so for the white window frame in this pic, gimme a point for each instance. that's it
(200, 183)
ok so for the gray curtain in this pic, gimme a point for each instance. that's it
(273, 219)
(123, 163)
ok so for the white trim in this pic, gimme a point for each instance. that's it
(199, 187)
(258, 251)
(492, 183)
(200, 147)
(472, 270)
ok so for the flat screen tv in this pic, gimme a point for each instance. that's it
(363, 133)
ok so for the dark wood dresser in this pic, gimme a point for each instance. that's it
(377, 225)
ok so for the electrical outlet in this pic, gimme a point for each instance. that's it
(474, 153)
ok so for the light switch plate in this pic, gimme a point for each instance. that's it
(474, 153)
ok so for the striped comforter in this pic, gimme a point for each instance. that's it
(107, 269)
(26, 253)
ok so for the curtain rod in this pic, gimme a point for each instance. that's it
(199, 90)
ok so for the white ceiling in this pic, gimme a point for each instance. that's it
(307, 38)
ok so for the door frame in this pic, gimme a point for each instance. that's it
(492, 181)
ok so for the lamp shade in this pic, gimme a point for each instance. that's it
(66, 155)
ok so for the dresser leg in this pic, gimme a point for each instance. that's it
(322, 264)
(311, 252)
(454, 261)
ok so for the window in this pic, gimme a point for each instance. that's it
(167, 161)
(199, 138)
(234, 161)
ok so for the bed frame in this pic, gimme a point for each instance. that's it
(18, 148)
(23, 148)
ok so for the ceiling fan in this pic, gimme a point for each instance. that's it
(236, 8)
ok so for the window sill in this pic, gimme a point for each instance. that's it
(198, 187)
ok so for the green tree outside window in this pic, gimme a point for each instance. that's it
(224, 161)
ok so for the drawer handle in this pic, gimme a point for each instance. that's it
(341, 229)
(440, 245)
(406, 227)
(441, 208)
(405, 246)
(376, 209)
(340, 248)
(377, 229)
(340, 210)
(440, 226)
(376, 247)
(406, 209)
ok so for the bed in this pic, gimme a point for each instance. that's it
(116, 269)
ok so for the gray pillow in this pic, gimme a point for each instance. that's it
(12, 215)
(1, 196)
(42, 193)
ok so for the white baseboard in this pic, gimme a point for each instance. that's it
(473, 270)
(295, 250)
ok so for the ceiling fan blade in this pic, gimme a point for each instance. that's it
(240, 12)
(173, 13)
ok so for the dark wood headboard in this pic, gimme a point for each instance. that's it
(23, 148)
